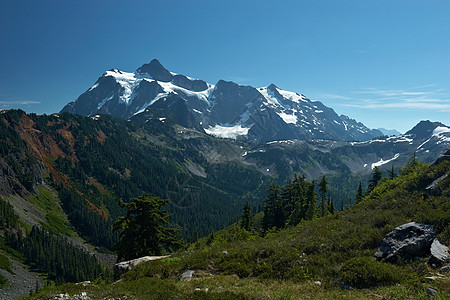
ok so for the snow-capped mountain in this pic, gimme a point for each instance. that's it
(225, 110)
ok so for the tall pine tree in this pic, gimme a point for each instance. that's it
(273, 209)
(144, 230)
(323, 194)
(246, 220)
(373, 182)
(359, 194)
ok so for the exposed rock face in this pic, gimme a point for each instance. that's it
(444, 156)
(439, 252)
(195, 85)
(125, 266)
(433, 189)
(407, 241)
(156, 71)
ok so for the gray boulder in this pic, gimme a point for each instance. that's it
(433, 189)
(407, 241)
(431, 292)
(444, 156)
(125, 266)
(439, 253)
(187, 275)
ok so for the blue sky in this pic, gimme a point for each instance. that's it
(384, 63)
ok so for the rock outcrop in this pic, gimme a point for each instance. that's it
(444, 156)
(125, 266)
(439, 253)
(407, 241)
(187, 275)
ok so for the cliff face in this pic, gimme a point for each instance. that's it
(21, 152)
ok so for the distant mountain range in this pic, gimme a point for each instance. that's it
(226, 109)
(315, 157)
(389, 132)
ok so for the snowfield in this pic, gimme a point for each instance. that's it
(227, 132)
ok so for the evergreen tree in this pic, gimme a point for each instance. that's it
(246, 220)
(373, 182)
(359, 194)
(391, 173)
(410, 164)
(210, 239)
(311, 201)
(330, 205)
(144, 231)
(273, 209)
(323, 193)
(301, 202)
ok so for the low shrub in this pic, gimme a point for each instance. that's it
(3, 281)
(364, 272)
(5, 264)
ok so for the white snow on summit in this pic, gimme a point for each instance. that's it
(270, 97)
(443, 133)
(294, 97)
(440, 130)
(129, 82)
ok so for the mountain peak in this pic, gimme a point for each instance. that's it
(156, 70)
(272, 87)
(424, 128)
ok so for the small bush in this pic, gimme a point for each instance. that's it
(5, 264)
(363, 272)
(445, 236)
(239, 268)
(3, 281)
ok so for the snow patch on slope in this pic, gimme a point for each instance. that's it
(440, 130)
(228, 132)
(104, 101)
(292, 119)
(383, 162)
(270, 97)
(128, 82)
(294, 97)
(442, 133)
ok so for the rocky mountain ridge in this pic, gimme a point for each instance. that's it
(225, 109)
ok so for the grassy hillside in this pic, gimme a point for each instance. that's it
(321, 258)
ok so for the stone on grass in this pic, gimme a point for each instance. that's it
(431, 292)
(187, 275)
(407, 241)
(125, 266)
(439, 253)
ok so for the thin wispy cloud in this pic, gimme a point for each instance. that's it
(334, 96)
(14, 101)
(412, 105)
(18, 102)
(412, 98)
